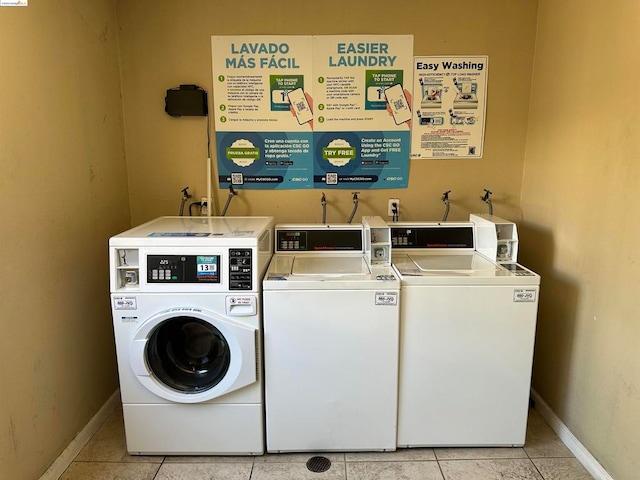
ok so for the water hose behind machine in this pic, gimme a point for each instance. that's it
(445, 200)
(355, 206)
(185, 196)
(486, 199)
(232, 193)
(323, 202)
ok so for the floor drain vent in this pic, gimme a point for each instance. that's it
(318, 464)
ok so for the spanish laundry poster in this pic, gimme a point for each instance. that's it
(260, 141)
(449, 106)
(313, 111)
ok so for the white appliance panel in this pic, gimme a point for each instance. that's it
(330, 370)
(194, 429)
(465, 365)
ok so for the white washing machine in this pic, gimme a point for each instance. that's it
(466, 343)
(331, 315)
(185, 298)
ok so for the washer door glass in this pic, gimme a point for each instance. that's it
(188, 354)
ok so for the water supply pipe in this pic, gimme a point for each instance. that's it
(232, 193)
(323, 202)
(486, 199)
(355, 206)
(445, 199)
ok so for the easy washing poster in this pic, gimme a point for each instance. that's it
(449, 106)
(295, 112)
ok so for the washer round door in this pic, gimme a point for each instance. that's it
(188, 355)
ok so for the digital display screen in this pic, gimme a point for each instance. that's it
(207, 267)
(183, 269)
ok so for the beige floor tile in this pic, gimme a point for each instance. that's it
(297, 457)
(393, 471)
(208, 459)
(561, 469)
(478, 453)
(512, 469)
(105, 458)
(108, 444)
(541, 440)
(400, 455)
(110, 471)
(295, 471)
(204, 471)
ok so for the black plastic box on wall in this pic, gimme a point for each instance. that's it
(186, 101)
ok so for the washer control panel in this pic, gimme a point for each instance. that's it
(240, 269)
(319, 240)
(433, 236)
(183, 268)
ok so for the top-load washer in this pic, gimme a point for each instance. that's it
(466, 344)
(185, 298)
(331, 339)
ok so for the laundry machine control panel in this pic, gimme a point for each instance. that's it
(319, 240)
(164, 269)
(433, 236)
(240, 269)
(183, 268)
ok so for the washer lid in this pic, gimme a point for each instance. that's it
(328, 265)
(465, 263)
(326, 272)
(463, 268)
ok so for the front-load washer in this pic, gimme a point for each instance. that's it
(185, 298)
(331, 312)
(466, 344)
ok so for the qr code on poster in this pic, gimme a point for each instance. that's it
(332, 178)
(237, 179)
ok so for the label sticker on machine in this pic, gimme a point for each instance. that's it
(524, 295)
(241, 300)
(179, 234)
(386, 298)
(125, 303)
(207, 267)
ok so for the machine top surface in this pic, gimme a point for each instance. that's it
(194, 231)
(459, 267)
(437, 263)
(326, 271)
(329, 265)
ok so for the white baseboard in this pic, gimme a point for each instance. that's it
(61, 463)
(583, 455)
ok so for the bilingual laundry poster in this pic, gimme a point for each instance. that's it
(449, 106)
(262, 89)
(362, 123)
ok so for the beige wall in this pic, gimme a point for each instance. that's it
(63, 190)
(165, 43)
(581, 205)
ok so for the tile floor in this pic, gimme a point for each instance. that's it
(544, 457)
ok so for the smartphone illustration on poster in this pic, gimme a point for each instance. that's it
(398, 103)
(300, 105)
